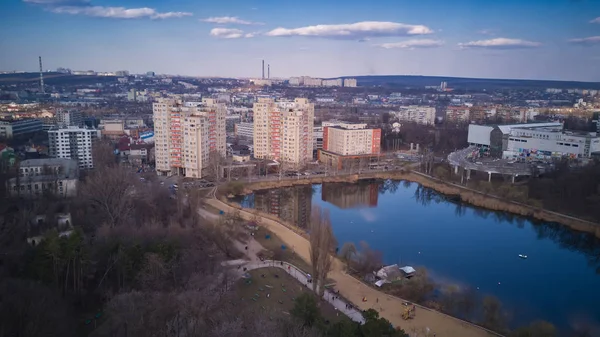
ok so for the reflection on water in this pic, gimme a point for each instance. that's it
(471, 246)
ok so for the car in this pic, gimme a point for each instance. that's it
(306, 173)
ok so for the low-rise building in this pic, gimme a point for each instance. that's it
(15, 128)
(38, 177)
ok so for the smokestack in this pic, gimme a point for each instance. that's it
(263, 69)
(41, 77)
(268, 71)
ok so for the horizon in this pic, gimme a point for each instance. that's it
(549, 40)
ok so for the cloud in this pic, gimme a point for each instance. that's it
(354, 31)
(412, 44)
(230, 20)
(592, 40)
(229, 33)
(487, 32)
(500, 43)
(58, 2)
(368, 215)
(596, 20)
(83, 7)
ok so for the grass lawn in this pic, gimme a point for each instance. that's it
(280, 301)
(273, 245)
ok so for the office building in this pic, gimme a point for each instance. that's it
(416, 114)
(283, 130)
(38, 177)
(68, 117)
(533, 141)
(350, 82)
(73, 143)
(16, 128)
(185, 136)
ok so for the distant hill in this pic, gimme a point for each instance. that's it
(53, 78)
(469, 83)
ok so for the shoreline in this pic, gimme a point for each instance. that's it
(466, 195)
(353, 289)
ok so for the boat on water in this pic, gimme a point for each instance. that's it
(522, 256)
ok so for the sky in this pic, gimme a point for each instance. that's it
(521, 39)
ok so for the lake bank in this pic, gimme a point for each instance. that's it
(461, 193)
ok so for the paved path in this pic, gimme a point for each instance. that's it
(340, 304)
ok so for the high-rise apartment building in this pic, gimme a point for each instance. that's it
(283, 130)
(68, 117)
(185, 135)
(350, 82)
(73, 143)
(417, 114)
(351, 139)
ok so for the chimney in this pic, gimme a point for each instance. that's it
(268, 71)
(263, 69)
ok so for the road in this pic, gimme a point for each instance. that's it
(499, 166)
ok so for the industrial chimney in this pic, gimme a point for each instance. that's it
(263, 69)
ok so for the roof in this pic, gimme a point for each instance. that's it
(408, 270)
(506, 128)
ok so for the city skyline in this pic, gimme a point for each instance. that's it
(553, 39)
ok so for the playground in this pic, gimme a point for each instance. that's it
(273, 291)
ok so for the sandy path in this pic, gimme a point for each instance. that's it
(389, 307)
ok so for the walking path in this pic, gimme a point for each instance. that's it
(389, 307)
(341, 305)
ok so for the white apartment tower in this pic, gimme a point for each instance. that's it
(185, 135)
(72, 143)
(283, 130)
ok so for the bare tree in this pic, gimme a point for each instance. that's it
(322, 243)
(367, 259)
(103, 154)
(215, 161)
(109, 191)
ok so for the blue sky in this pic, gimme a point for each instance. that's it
(535, 39)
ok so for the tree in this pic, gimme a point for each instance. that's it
(322, 243)
(348, 251)
(103, 154)
(215, 160)
(376, 326)
(536, 329)
(367, 260)
(306, 309)
(109, 191)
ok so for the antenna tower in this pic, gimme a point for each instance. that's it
(41, 77)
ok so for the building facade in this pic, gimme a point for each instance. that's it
(351, 139)
(72, 143)
(38, 177)
(350, 83)
(19, 127)
(283, 131)
(68, 117)
(244, 130)
(185, 136)
(417, 114)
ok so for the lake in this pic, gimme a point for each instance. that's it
(459, 244)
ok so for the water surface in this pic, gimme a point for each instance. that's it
(459, 244)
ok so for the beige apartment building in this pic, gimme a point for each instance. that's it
(283, 130)
(186, 135)
(347, 143)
